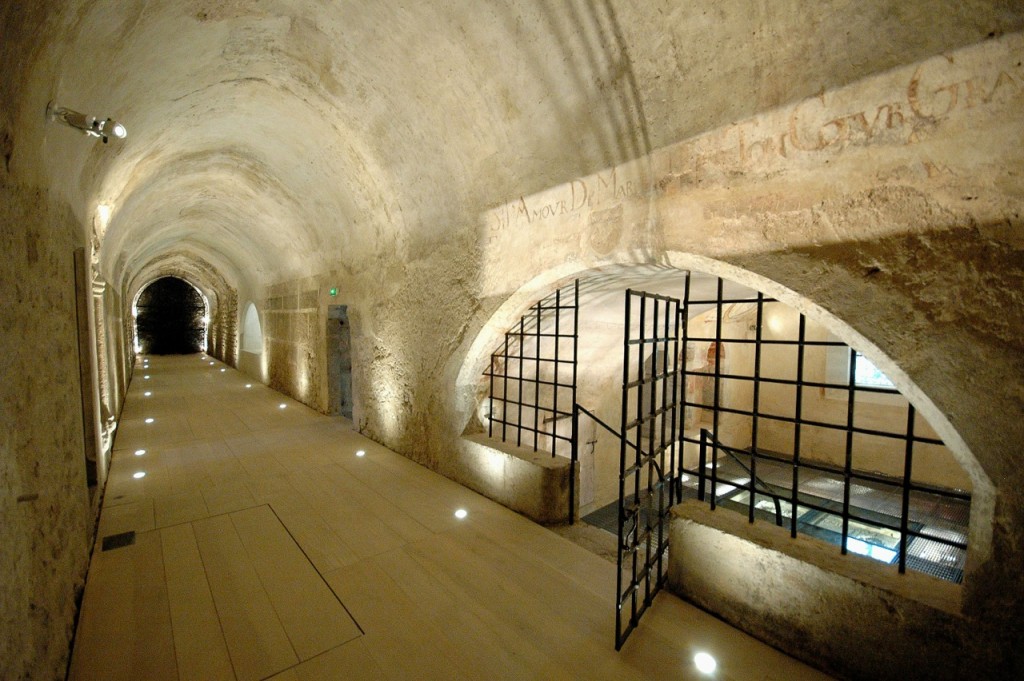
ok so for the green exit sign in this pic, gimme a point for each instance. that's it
(334, 291)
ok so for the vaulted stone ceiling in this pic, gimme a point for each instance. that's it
(275, 139)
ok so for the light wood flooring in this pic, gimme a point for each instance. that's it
(265, 548)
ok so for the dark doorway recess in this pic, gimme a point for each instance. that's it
(170, 318)
(339, 361)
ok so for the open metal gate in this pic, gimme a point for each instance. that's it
(651, 414)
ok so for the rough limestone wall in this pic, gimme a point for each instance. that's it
(119, 327)
(293, 340)
(832, 611)
(213, 331)
(44, 539)
(125, 348)
(223, 334)
(229, 325)
(405, 338)
(42, 463)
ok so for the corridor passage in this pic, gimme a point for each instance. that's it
(266, 547)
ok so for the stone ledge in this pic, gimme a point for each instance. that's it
(933, 592)
(838, 613)
(532, 483)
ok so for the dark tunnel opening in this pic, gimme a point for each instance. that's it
(170, 318)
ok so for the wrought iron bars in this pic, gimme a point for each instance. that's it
(650, 424)
(758, 413)
(532, 370)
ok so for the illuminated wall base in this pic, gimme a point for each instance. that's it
(801, 596)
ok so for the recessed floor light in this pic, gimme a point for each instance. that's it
(282, 406)
(223, 370)
(139, 474)
(705, 663)
(146, 377)
(150, 420)
(212, 363)
(148, 393)
(248, 385)
(140, 452)
(361, 453)
(461, 513)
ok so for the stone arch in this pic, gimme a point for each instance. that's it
(220, 295)
(164, 340)
(252, 330)
(507, 313)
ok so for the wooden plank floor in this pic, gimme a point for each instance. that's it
(266, 549)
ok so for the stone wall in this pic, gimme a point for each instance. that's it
(224, 328)
(837, 613)
(45, 510)
(120, 329)
(294, 342)
(532, 483)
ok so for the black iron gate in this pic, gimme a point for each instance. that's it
(651, 414)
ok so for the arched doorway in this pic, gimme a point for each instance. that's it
(171, 317)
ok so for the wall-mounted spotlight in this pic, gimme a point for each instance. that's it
(104, 128)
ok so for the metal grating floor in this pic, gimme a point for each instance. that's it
(929, 513)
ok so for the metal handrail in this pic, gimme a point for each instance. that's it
(905, 531)
(705, 436)
(574, 457)
(601, 423)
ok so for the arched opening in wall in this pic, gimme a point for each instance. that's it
(252, 331)
(757, 408)
(171, 317)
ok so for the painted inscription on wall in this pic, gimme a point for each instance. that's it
(579, 194)
(917, 103)
(930, 97)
